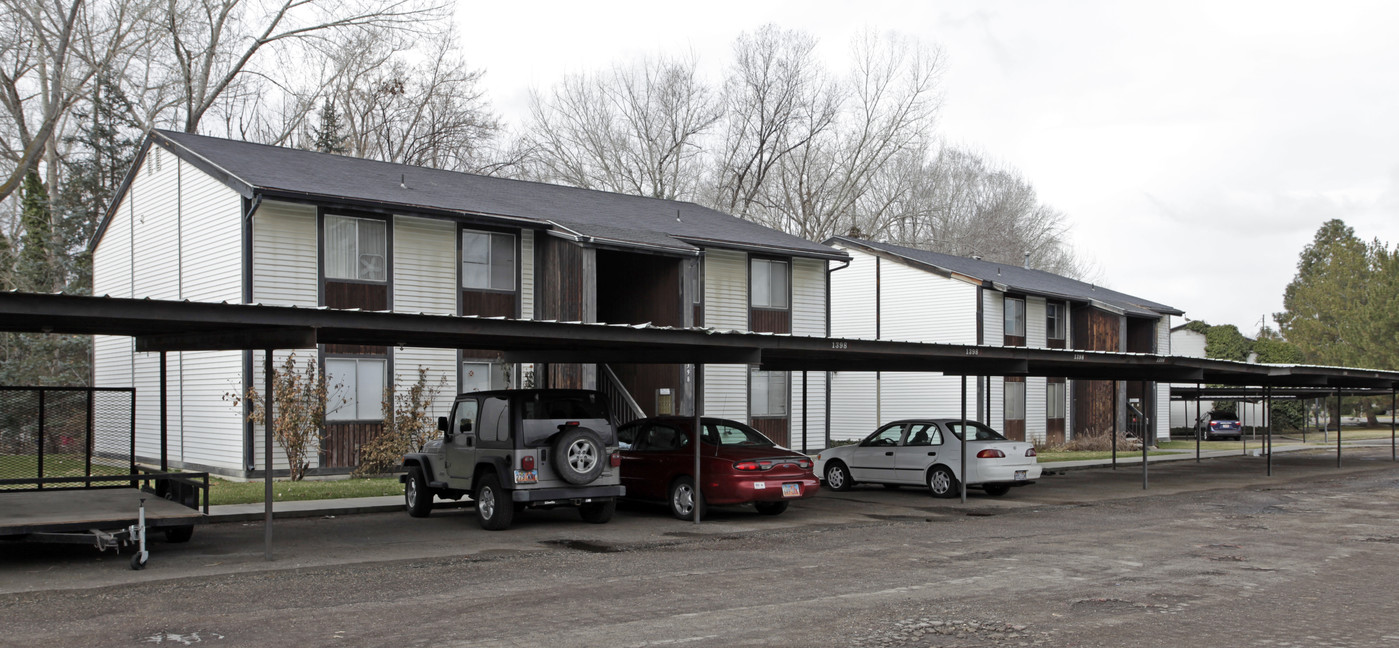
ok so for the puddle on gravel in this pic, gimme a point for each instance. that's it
(898, 518)
(584, 545)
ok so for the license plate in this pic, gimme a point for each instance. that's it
(1020, 475)
(759, 485)
(791, 490)
(526, 476)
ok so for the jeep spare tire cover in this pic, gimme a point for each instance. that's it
(578, 455)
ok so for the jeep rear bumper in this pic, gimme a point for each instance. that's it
(586, 492)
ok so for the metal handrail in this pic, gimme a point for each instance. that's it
(624, 408)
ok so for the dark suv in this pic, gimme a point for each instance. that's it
(1222, 425)
(515, 449)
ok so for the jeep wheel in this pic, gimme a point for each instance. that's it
(493, 506)
(598, 512)
(578, 456)
(417, 497)
(682, 499)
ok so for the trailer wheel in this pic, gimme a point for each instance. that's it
(179, 533)
(138, 561)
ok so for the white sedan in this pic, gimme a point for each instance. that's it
(927, 452)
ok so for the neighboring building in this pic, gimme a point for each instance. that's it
(1191, 344)
(206, 219)
(890, 292)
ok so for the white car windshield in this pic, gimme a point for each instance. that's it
(979, 432)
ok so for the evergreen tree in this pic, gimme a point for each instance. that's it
(330, 137)
(1325, 305)
(35, 270)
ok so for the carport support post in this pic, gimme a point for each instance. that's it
(1114, 425)
(1338, 427)
(164, 429)
(1198, 432)
(267, 453)
(1393, 448)
(699, 433)
(1146, 425)
(1268, 412)
(963, 467)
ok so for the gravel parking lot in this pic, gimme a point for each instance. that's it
(1214, 554)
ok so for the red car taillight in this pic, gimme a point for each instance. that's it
(527, 462)
(615, 459)
(747, 466)
(1031, 453)
(990, 453)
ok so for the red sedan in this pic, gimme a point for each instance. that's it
(737, 463)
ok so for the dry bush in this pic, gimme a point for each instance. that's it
(1097, 443)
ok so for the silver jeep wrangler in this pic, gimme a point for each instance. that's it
(515, 449)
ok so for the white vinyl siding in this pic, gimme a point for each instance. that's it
(526, 274)
(424, 275)
(726, 308)
(175, 234)
(258, 381)
(1035, 325)
(808, 318)
(441, 374)
(919, 306)
(992, 309)
(1163, 390)
(853, 298)
(284, 255)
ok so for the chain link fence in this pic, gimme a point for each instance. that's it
(64, 432)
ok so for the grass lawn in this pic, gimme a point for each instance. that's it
(227, 492)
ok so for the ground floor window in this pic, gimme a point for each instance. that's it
(1055, 400)
(1015, 400)
(767, 392)
(360, 383)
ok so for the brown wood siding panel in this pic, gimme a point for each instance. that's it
(365, 296)
(1015, 429)
(1055, 343)
(639, 288)
(490, 304)
(772, 428)
(1092, 403)
(763, 320)
(699, 315)
(566, 376)
(642, 382)
(1096, 330)
(343, 441)
(1015, 341)
(1054, 432)
(559, 280)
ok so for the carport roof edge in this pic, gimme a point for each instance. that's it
(183, 325)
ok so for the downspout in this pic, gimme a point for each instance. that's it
(829, 270)
(249, 445)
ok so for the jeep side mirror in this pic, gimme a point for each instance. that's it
(443, 425)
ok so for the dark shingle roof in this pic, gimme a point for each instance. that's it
(1014, 278)
(623, 219)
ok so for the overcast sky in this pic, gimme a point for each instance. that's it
(1195, 151)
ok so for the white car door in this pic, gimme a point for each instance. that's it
(921, 448)
(874, 459)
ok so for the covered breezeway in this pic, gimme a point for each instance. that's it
(163, 326)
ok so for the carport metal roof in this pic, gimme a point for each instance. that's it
(1179, 393)
(185, 326)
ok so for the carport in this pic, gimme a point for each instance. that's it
(163, 326)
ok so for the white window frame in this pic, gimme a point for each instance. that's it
(360, 404)
(762, 392)
(1050, 320)
(776, 297)
(1013, 401)
(357, 254)
(1056, 403)
(1014, 326)
(490, 263)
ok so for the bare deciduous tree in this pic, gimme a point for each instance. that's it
(635, 129)
(217, 45)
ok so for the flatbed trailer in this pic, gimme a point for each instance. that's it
(112, 516)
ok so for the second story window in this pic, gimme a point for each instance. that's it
(768, 283)
(487, 260)
(356, 249)
(1054, 321)
(1015, 317)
